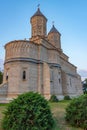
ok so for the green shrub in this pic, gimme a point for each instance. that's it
(67, 97)
(30, 111)
(53, 99)
(76, 112)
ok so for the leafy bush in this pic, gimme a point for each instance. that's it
(67, 97)
(76, 112)
(30, 111)
(54, 98)
(84, 85)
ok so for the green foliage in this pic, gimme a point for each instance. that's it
(1, 77)
(54, 98)
(30, 111)
(85, 86)
(76, 112)
(67, 97)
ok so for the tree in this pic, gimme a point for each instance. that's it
(1, 77)
(30, 111)
(76, 112)
(85, 86)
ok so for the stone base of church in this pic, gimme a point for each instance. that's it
(60, 97)
(4, 100)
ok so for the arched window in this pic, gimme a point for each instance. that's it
(24, 75)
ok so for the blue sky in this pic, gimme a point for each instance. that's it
(70, 17)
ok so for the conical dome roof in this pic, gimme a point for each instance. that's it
(53, 30)
(38, 13)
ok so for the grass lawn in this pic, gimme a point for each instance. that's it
(58, 110)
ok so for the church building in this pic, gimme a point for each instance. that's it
(39, 64)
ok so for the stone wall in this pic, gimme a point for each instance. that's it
(43, 54)
(13, 70)
(53, 57)
(68, 67)
(46, 81)
(56, 82)
(3, 92)
(21, 48)
(16, 84)
(54, 39)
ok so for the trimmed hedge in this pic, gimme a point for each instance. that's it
(30, 111)
(53, 98)
(76, 112)
(67, 97)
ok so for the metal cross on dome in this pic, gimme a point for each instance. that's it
(38, 5)
(53, 22)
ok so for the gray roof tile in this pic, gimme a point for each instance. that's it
(38, 13)
(53, 30)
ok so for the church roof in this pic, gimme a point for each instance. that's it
(39, 13)
(53, 30)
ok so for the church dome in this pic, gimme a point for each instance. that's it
(38, 13)
(53, 30)
(54, 37)
(38, 24)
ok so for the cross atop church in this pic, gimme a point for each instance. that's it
(38, 5)
(53, 22)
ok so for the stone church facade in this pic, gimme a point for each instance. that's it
(39, 65)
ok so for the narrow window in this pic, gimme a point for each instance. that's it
(70, 82)
(24, 75)
(6, 76)
(51, 75)
(59, 81)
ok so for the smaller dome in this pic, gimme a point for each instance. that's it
(53, 30)
(38, 13)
